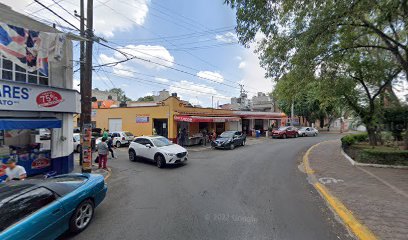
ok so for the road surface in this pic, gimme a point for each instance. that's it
(255, 192)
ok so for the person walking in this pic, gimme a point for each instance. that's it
(111, 147)
(103, 151)
(183, 137)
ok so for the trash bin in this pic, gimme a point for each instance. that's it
(257, 133)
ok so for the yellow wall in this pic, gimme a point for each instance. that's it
(168, 109)
(128, 116)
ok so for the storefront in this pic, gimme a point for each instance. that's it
(195, 126)
(36, 126)
(262, 121)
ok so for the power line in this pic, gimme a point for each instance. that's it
(159, 83)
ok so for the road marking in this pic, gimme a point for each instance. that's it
(359, 230)
(328, 180)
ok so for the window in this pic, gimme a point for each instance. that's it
(23, 205)
(11, 71)
(143, 141)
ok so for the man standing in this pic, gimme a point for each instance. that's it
(110, 146)
(14, 171)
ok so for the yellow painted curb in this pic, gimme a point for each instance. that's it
(109, 174)
(360, 230)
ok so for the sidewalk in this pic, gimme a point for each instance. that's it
(78, 169)
(377, 197)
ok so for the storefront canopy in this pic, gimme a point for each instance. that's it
(183, 118)
(29, 123)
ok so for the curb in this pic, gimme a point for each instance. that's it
(357, 228)
(354, 163)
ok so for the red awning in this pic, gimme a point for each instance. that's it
(183, 118)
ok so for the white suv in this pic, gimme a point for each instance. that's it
(121, 138)
(158, 149)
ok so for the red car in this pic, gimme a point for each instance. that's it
(284, 132)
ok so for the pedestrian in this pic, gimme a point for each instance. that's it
(103, 151)
(105, 134)
(214, 135)
(183, 136)
(205, 135)
(111, 146)
(14, 171)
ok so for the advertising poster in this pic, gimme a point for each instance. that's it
(86, 147)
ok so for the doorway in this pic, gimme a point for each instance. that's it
(161, 126)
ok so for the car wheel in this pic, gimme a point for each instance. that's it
(315, 134)
(118, 144)
(160, 162)
(232, 146)
(132, 155)
(296, 135)
(284, 136)
(82, 216)
(303, 135)
(78, 148)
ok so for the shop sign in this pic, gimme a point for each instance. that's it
(86, 147)
(183, 118)
(40, 163)
(29, 97)
(142, 119)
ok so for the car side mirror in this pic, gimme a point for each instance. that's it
(148, 145)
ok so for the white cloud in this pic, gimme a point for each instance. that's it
(163, 80)
(238, 58)
(228, 37)
(192, 89)
(109, 16)
(195, 101)
(214, 76)
(120, 69)
(242, 64)
(157, 53)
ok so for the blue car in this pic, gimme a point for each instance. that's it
(45, 209)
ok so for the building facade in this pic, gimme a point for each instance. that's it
(37, 106)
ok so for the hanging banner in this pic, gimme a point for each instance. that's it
(31, 50)
(86, 147)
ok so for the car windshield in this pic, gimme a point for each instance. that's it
(282, 128)
(161, 142)
(227, 134)
(129, 134)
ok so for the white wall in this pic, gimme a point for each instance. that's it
(62, 138)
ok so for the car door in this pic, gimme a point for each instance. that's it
(237, 138)
(36, 214)
(140, 147)
(289, 131)
(150, 151)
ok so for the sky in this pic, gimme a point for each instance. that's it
(183, 46)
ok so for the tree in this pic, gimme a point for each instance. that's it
(146, 99)
(341, 36)
(121, 94)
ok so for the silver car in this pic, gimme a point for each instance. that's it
(308, 131)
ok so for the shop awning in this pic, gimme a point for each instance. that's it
(183, 118)
(29, 123)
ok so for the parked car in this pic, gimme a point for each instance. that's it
(308, 131)
(77, 142)
(158, 149)
(229, 140)
(121, 138)
(45, 209)
(284, 132)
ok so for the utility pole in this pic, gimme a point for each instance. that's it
(81, 65)
(86, 89)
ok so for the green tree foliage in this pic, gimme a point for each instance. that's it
(350, 49)
(121, 94)
(146, 99)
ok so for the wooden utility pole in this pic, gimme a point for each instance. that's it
(82, 65)
(86, 83)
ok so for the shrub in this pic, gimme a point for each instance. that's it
(349, 140)
(381, 156)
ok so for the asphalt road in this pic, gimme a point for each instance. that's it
(256, 192)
